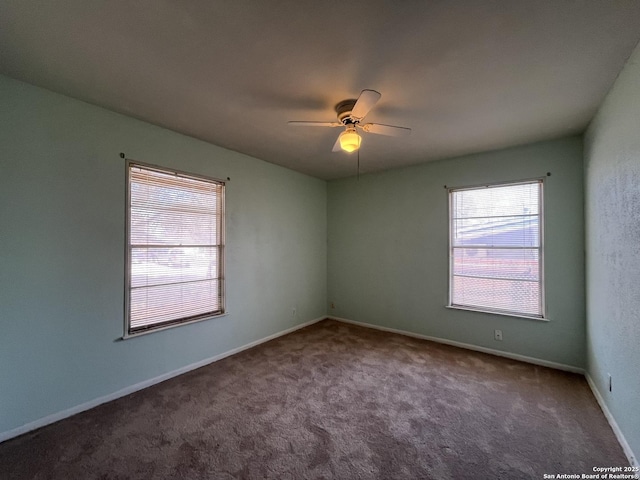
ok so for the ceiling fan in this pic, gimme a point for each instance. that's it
(351, 113)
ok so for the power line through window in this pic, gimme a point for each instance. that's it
(496, 248)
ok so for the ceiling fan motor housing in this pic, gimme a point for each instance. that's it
(343, 109)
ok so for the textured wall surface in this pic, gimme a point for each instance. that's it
(612, 188)
(62, 217)
(388, 250)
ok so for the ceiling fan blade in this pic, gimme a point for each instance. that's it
(389, 130)
(315, 124)
(336, 146)
(365, 102)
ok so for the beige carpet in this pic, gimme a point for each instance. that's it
(333, 401)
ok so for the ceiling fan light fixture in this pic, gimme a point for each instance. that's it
(350, 140)
(351, 114)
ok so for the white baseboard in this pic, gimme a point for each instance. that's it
(612, 421)
(468, 346)
(54, 417)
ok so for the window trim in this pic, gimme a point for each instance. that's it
(541, 215)
(127, 249)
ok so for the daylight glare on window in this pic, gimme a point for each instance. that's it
(175, 248)
(496, 248)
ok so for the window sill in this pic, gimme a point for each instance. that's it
(128, 336)
(494, 312)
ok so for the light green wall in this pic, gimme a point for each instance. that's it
(388, 250)
(612, 187)
(62, 217)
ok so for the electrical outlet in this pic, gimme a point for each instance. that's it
(610, 383)
(497, 335)
(333, 305)
(293, 312)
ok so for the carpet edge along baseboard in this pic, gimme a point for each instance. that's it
(68, 412)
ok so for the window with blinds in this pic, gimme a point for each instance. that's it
(175, 248)
(496, 249)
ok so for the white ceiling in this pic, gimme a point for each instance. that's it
(465, 75)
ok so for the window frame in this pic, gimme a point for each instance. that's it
(541, 248)
(128, 332)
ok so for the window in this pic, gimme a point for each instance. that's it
(175, 248)
(496, 249)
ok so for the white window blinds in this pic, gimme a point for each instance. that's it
(175, 247)
(496, 248)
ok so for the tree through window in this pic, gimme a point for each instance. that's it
(175, 248)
